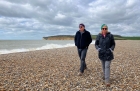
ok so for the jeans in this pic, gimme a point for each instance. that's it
(82, 54)
(106, 70)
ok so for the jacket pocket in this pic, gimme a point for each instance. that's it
(109, 54)
(101, 54)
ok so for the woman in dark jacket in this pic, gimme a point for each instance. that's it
(82, 41)
(105, 45)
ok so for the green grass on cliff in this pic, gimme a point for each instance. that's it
(132, 38)
(116, 37)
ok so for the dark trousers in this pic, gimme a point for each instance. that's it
(82, 54)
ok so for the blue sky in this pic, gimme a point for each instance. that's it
(34, 19)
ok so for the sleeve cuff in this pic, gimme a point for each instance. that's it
(99, 49)
(111, 50)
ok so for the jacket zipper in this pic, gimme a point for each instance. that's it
(81, 41)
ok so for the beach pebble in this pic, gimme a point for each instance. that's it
(57, 69)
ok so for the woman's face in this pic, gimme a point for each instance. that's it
(104, 30)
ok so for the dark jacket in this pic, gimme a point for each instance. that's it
(82, 41)
(105, 45)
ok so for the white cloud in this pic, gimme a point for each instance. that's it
(130, 3)
(60, 16)
(50, 17)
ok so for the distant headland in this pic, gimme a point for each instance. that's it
(60, 37)
(71, 37)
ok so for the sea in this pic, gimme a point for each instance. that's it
(14, 46)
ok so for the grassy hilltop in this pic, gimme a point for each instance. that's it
(71, 37)
(118, 37)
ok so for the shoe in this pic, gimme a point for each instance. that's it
(107, 84)
(85, 68)
(80, 74)
(103, 78)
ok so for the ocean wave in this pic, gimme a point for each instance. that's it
(47, 46)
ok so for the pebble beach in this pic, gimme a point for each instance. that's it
(57, 69)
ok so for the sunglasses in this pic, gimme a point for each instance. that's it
(81, 27)
(104, 28)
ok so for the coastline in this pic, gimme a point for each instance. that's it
(56, 69)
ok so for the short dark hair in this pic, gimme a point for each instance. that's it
(81, 25)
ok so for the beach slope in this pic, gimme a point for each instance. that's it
(56, 69)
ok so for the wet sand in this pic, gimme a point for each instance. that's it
(57, 69)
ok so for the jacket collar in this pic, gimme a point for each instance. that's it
(84, 30)
(106, 34)
(101, 35)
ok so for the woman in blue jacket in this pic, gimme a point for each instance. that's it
(82, 41)
(105, 45)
